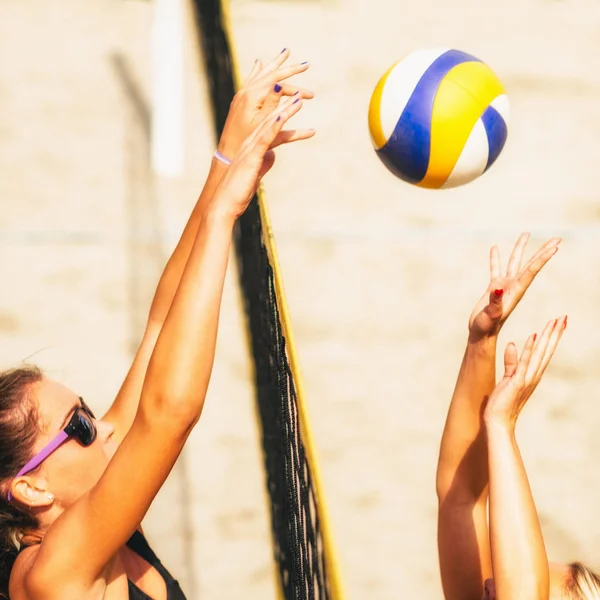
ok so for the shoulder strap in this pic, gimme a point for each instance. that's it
(137, 542)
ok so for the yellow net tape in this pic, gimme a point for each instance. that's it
(331, 558)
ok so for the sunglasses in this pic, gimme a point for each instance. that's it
(80, 427)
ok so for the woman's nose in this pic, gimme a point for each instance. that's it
(105, 430)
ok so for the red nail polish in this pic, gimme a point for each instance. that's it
(565, 323)
(498, 293)
(534, 337)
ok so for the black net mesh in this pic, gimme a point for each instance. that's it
(298, 544)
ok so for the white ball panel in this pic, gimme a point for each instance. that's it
(473, 159)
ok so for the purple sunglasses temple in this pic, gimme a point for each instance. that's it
(41, 456)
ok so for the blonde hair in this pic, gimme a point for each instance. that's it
(584, 583)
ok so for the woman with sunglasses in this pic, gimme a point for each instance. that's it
(73, 489)
(480, 462)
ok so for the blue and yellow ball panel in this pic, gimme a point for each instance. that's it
(438, 118)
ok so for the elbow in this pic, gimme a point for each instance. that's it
(456, 493)
(173, 411)
(447, 487)
(441, 486)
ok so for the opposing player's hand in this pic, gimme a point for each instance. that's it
(522, 374)
(260, 94)
(507, 287)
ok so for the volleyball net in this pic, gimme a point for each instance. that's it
(302, 542)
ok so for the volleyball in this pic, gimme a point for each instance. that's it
(438, 118)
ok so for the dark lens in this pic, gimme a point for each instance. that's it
(87, 409)
(84, 428)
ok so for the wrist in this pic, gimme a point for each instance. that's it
(482, 344)
(498, 427)
(217, 215)
(227, 150)
(217, 169)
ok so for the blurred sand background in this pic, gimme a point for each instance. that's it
(380, 277)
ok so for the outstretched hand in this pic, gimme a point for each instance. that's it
(506, 288)
(259, 96)
(254, 159)
(522, 375)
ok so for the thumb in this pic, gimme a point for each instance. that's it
(511, 360)
(494, 309)
(268, 162)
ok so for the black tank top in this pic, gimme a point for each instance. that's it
(137, 542)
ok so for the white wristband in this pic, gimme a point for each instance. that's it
(222, 158)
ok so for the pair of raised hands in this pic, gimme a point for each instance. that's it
(506, 288)
(254, 126)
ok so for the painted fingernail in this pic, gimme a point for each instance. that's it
(277, 88)
(278, 118)
(304, 63)
(565, 323)
(498, 293)
(283, 51)
(297, 93)
(534, 337)
(296, 100)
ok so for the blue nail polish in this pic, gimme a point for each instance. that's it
(296, 100)
(297, 93)
(304, 63)
(277, 88)
(278, 118)
(283, 50)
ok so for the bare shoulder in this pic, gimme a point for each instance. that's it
(18, 586)
(28, 581)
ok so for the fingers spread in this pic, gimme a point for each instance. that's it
(286, 72)
(265, 134)
(276, 62)
(495, 269)
(534, 266)
(291, 90)
(556, 332)
(551, 243)
(256, 67)
(514, 263)
(292, 135)
(525, 359)
(539, 350)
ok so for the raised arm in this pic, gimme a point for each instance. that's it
(172, 397)
(519, 559)
(256, 98)
(462, 475)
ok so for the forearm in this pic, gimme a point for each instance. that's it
(462, 474)
(167, 286)
(124, 408)
(519, 559)
(181, 364)
(463, 543)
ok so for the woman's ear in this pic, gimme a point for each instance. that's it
(32, 492)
